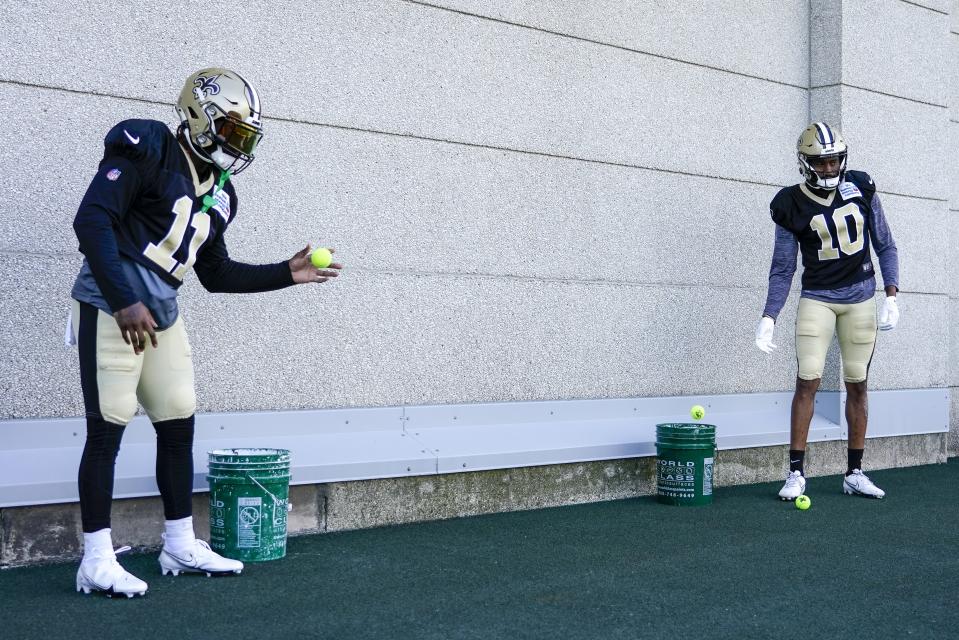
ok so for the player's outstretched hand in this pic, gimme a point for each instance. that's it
(764, 334)
(889, 314)
(304, 272)
(136, 322)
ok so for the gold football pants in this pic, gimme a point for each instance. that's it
(114, 378)
(855, 325)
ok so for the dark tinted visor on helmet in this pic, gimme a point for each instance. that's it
(238, 137)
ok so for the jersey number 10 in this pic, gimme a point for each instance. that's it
(162, 253)
(840, 218)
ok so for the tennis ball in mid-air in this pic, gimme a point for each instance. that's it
(321, 258)
(697, 412)
(803, 503)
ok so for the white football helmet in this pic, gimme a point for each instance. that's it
(820, 141)
(220, 117)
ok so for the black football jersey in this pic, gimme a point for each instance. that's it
(833, 232)
(146, 175)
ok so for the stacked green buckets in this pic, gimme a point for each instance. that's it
(684, 463)
(249, 500)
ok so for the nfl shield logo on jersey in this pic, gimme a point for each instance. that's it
(113, 174)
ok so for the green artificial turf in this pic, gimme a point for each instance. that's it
(747, 566)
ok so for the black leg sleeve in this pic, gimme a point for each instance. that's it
(174, 466)
(95, 478)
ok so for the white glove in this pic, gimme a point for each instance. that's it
(764, 334)
(889, 314)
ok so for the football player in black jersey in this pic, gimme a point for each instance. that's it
(834, 219)
(160, 204)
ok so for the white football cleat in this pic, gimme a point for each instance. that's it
(795, 486)
(199, 558)
(858, 483)
(102, 572)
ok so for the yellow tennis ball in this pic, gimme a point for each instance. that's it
(803, 503)
(321, 258)
(697, 412)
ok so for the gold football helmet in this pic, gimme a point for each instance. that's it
(220, 117)
(820, 142)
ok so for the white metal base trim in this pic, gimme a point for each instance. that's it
(39, 458)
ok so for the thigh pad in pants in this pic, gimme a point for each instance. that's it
(856, 328)
(815, 327)
(166, 384)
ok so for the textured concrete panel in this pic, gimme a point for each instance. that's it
(38, 202)
(825, 44)
(395, 204)
(916, 353)
(47, 533)
(919, 37)
(698, 33)
(359, 505)
(953, 320)
(870, 121)
(922, 243)
(438, 74)
(953, 81)
(951, 257)
(394, 338)
(39, 376)
(825, 105)
(952, 160)
(29, 535)
(746, 466)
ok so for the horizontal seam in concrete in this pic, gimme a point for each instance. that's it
(604, 44)
(27, 254)
(544, 154)
(411, 136)
(882, 93)
(906, 195)
(571, 281)
(596, 281)
(922, 6)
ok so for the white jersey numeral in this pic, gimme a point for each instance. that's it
(162, 254)
(841, 218)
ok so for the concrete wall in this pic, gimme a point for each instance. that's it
(533, 200)
(542, 201)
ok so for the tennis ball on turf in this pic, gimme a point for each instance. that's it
(321, 258)
(697, 412)
(803, 503)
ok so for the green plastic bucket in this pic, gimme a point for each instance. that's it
(249, 500)
(684, 463)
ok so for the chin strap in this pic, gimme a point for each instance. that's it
(210, 199)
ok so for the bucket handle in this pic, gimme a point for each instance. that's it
(276, 501)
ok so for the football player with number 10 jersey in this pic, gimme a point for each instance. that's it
(834, 219)
(160, 204)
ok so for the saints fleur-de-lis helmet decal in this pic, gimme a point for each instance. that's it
(220, 117)
(819, 141)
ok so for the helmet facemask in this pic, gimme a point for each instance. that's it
(821, 179)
